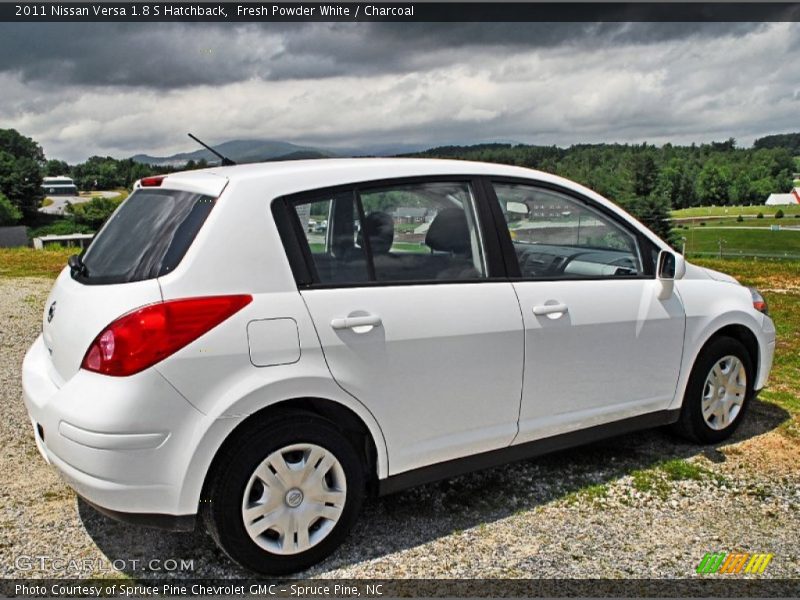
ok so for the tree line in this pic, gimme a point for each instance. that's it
(23, 165)
(647, 180)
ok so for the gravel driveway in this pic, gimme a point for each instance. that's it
(643, 505)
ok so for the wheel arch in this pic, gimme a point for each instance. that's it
(337, 414)
(734, 325)
(743, 334)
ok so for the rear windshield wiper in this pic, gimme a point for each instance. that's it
(77, 266)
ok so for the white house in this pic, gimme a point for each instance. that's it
(59, 186)
(792, 197)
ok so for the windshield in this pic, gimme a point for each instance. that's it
(146, 237)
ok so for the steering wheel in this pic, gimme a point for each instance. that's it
(559, 265)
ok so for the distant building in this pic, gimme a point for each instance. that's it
(792, 197)
(59, 186)
(411, 214)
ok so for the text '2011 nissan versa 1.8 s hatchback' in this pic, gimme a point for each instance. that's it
(260, 346)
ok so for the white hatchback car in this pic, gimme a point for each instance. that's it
(263, 345)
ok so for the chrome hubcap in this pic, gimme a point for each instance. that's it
(724, 392)
(294, 498)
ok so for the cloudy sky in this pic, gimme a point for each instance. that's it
(122, 89)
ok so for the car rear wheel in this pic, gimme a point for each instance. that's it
(718, 392)
(285, 495)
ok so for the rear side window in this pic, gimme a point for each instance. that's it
(146, 237)
(410, 232)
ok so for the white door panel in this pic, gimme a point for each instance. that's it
(596, 351)
(439, 366)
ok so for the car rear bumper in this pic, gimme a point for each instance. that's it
(123, 444)
(159, 521)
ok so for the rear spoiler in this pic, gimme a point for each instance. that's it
(199, 182)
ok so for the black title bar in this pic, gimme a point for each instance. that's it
(373, 589)
(398, 11)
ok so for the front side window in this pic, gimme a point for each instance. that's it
(556, 236)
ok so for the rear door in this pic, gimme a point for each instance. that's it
(414, 316)
(600, 345)
(146, 237)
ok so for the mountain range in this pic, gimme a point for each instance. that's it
(248, 151)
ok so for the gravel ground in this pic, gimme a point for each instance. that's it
(612, 509)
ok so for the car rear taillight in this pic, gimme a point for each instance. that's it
(147, 335)
(154, 181)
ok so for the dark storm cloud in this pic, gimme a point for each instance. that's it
(128, 88)
(170, 56)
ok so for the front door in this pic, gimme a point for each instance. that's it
(599, 343)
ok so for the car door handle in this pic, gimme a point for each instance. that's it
(356, 322)
(550, 309)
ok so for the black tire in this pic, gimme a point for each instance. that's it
(225, 492)
(691, 423)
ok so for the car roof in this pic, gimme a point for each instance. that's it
(287, 177)
(355, 169)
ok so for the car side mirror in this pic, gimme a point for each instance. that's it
(517, 208)
(670, 266)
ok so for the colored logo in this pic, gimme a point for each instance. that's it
(735, 562)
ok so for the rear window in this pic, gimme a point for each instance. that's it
(146, 237)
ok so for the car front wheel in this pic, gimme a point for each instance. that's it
(718, 392)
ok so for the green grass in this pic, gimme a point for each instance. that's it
(733, 211)
(27, 262)
(766, 222)
(411, 247)
(783, 388)
(678, 469)
(651, 481)
(591, 493)
(47, 202)
(657, 480)
(741, 241)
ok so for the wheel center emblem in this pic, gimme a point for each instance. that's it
(294, 497)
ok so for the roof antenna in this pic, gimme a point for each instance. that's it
(226, 162)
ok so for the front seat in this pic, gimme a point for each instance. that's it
(379, 227)
(449, 233)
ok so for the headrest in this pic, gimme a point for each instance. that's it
(449, 232)
(380, 229)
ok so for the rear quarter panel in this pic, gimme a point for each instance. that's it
(238, 251)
